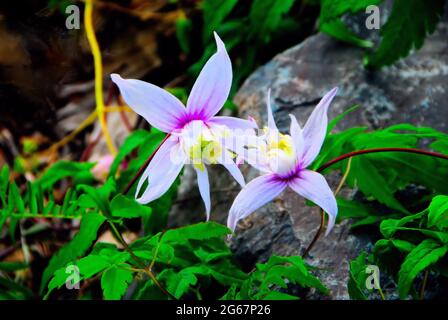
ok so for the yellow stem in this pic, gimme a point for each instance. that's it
(87, 122)
(98, 73)
(344, 177)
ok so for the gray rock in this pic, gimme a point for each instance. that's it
(413, 90)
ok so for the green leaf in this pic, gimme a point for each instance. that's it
(390, 226)
(427, 253)
(81, 242)
(178, 283)
(214, 13)
(115, 281)
(329, 19)
(265, 17)
(402, 245)
(199, 231)
(124, 207)
(372, 183)
(99, 198)
(12, 266)
(12, 286)
(341, 116)
(333, 9)
(417, 18)
(275, 295)
(338, 30)
(134, 140)
(79, 172)
(438, 212)
(183, 33)
(88, 267)
(357, 278)
(279, 269)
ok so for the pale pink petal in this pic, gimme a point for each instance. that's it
(315, 128)
(297, 137)
(159, 107)
(204, 189)
(161, 171)
(254, 195)
(227, 161)
(212, 86)
(271, 121)
(313, 186)
(233, 123)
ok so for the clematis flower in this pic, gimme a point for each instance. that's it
(196, 134)
(284, 160)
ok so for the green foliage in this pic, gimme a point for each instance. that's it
(331, 12)
(357, 278)
(381, 176)
(79, 172)
(214, 13)
(187, 261)
(266, 16)
(268, 279)
(412, 244)
(417, 18)
(409, 23)
(77, 247)
(427, 253)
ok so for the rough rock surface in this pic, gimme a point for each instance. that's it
(413, 90)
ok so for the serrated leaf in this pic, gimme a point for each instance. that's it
(179, 283)
(79, 172)
(438, 212)
(420, 258)
(115, 281)
(81, 242)
(417, 18)
(390, 226)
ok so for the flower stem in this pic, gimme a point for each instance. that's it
(98, 67)
(425, 281)
(360, 152)
(322, 213)
(143, 167)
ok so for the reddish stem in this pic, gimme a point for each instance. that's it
(360, 152)
(143, 167)
(357, 153)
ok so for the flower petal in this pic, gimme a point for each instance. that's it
(254, 195)
(159, 107)
(313, 186)
(297, 137)
(271, 121)
(161, 171)
(315, 128)
(233, 123)
(204, 189)
(227, 161)
(212, 86)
